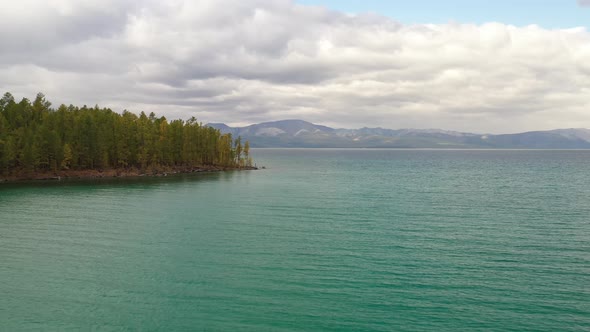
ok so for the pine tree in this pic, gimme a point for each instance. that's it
(35, 137)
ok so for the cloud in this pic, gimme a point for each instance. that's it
(257, 60)
(584, 2)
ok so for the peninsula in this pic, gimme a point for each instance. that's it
(40, 142)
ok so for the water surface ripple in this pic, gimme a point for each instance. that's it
(330, 240)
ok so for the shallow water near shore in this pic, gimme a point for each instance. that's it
(323, 239)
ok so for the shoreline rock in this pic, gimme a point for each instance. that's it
(116, 173)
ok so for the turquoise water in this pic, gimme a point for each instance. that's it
(322, 240)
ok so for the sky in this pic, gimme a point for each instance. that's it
(546, 13)
(476, 66)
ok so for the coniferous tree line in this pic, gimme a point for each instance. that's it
(36, 137)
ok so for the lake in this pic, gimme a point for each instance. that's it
(321, 240)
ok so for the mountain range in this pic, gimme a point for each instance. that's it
(299, 133)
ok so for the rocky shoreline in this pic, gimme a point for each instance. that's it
(115, 173)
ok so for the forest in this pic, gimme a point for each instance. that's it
(34, 137)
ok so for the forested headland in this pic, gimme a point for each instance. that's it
(37, 141)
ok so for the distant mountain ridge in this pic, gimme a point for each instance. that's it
(299, 133)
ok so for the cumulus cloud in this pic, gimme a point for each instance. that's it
(256, 60)
(584, 2)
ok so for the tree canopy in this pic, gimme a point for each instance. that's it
(36, 137)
